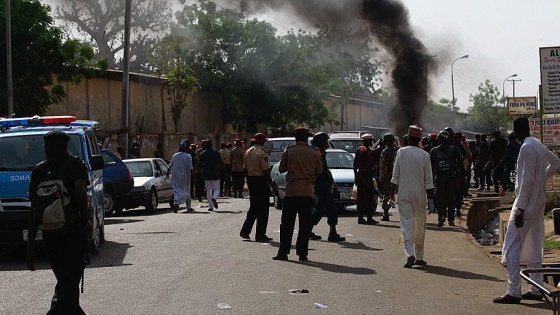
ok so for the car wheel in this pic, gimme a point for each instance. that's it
(152, 202)
(109, 203)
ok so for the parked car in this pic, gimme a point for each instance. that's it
(347, 144)
(151, 185)
(341, 164)
(275, 146)
(117, 181)
(347, 134)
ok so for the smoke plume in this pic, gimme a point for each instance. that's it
(387, 21)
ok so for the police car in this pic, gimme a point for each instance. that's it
(21, 147)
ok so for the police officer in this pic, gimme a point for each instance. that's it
(303, 164)
(65, 249)
(323, 190)
(363, 174)
(444, 159)
(238, 174)
(257, 171)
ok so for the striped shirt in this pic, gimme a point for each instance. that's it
(181, 166)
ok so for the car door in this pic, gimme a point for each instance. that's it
(164, 188)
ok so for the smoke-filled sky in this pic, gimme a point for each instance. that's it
(501, 37)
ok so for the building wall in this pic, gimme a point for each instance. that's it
(150, 118)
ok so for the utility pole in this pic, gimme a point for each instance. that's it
(125, 80)
(513, 82)
(10, 86)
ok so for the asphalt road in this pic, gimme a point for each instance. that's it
(189, 263)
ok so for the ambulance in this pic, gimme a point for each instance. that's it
(21, 147)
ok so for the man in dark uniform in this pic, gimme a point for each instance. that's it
(303, 164)
(65, 248)
(194, 156)
(444, 159)
(237, 172)
(388, 156)
(257, 171)
(199, 172)
(483, 164)
(497, 148)
(324, 191)
(363, 174)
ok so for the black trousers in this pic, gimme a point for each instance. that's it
(65, 251)
(259, 200)
(325, 203)
(366, 202)
(225, 183)
(444, 199)
(238, 181)
(200, 185)
(300, 206)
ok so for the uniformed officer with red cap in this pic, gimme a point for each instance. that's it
(257, 170)
(237, 172)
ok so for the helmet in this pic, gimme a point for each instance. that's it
(425, 141)
(320, 138)
(443, 137)
(450, 131)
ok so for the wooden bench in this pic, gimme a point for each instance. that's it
(479, 214)
(548, 290)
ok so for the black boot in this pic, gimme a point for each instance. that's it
(334, 236)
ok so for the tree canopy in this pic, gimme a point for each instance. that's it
(266, 80)
(38, 53)
(488, 112)
(101, 22)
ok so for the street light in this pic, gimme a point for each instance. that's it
(453, 88)
(503, 84)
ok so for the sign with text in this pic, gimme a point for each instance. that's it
(550, 78)
(551, 130)
(522, 105)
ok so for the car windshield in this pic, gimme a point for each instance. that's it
(140, 168)
(347, 145)
(22, 152)
(340, 160)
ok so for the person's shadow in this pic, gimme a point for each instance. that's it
(337, 268)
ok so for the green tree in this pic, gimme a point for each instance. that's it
(38, 54)
(488, 112)
(264, 79)
(101, 22)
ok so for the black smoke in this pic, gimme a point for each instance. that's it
(388, 23)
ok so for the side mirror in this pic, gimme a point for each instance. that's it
(158, 173)
(96, 162)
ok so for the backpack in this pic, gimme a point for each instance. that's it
(52, 210)
(444, 161)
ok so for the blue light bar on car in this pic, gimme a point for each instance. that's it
(37, 121)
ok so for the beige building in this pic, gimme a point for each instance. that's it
(150, 120)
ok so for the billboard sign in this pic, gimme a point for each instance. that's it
(551, 130)
(522, 105)
(550, 78)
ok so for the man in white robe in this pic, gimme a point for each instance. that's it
(181, 166)
(524, 240)
(412, 176)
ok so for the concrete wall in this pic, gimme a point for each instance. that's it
(150, 119)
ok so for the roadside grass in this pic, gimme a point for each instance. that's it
(552, 244)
